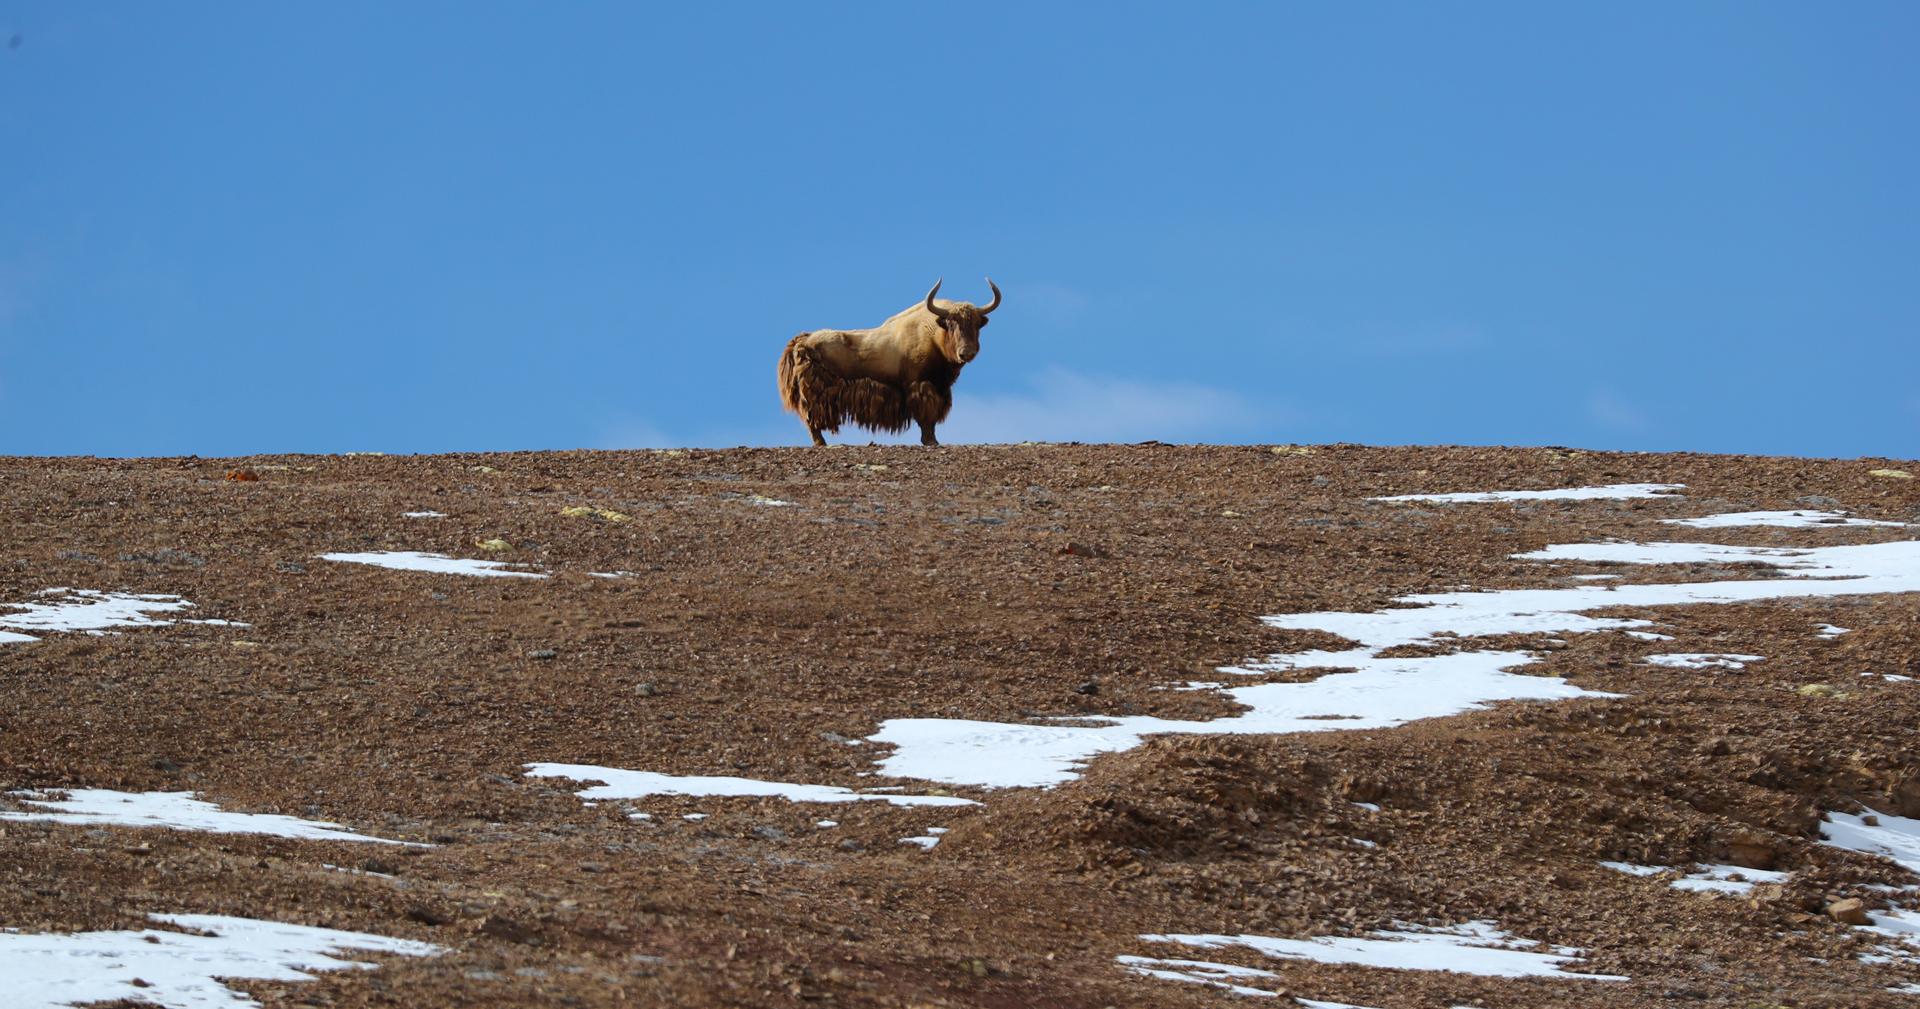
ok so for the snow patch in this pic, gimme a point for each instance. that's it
(1200, 972)
(925, 841)
(64, 609)
(1779, 520)
(1734, 879)
(172, 811)
(1633, 869)
(1892, 837)
(423, 515)
(1386, 692)
(619, 783)
(1476, 947)
(176, 969)
(413, 560)
(1609, 492)
(1830, 631)
(1702, 660)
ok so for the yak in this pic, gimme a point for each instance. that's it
(887, 378)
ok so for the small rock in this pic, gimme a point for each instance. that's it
(835, 737)
(593, 867)
(1851, 911)
(1816, 501)
(770, 833)
(1752, 850)
(645, 689)
(1080, 550)
(542, 653)
(381, 866)
(165, 765)
(852, 845)
(506, 928)
(290, 567)
(426, 915)
(1089, 687)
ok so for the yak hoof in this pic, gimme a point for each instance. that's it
(817, 440)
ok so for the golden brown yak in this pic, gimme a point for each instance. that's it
(898, 373)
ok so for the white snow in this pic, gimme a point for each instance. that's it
(925, 841)
(1893, 837)
(1371, 807)
(1896, 678)
(1830, 631)
(693, 817)
(1610, 492)
(176, 969)
(610, 574)
(65, 609)
(413, 560)
(424, 515)
(356, 872)
(1702, 660)
(1633, 869)
(1476, 947)
(1648, 635)
(1381, 693)
(826, 824)
(1673, 553)
(1200, 972)
(1721, 879)
(620, 783)
(1386, 692)
(173, 811)
(768, 502)
(1780, 520)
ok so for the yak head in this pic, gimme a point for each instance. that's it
(960, 324)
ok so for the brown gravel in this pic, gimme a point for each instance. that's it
(995, 583)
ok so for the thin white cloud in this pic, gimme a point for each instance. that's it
(1607, 410)
(1068, 406)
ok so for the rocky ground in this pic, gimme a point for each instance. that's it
(770, 609)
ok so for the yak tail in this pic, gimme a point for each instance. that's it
(795, 364)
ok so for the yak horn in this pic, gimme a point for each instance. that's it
(988, 310)
(938, 313)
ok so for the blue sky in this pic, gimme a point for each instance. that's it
(234, 228)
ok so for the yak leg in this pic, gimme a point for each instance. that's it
(815, 432)
(929, 404)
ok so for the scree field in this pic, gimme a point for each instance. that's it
(1075, 726)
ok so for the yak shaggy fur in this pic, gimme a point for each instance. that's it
(887, 378)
